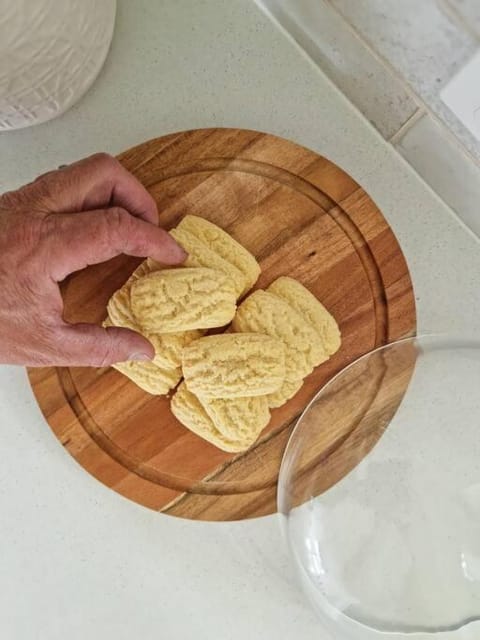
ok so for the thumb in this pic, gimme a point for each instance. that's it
(86, 345)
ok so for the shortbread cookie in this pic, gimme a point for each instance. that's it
(201, 255)
(286, 391)
(303, 301)
(139, 272)
(224, 245)
(238, 418)
(187, 409)
(119, 309)
(153, 265)
(174, 300)
(234, 365)
(168, 346)
(149, 377)
(264, 312)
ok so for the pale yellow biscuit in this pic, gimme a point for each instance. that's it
(153, 265)
(238, 418)
(200, 255)
(174, 300)
(108, 322)
(119, 309)
(223, 244)
(168, 346)
(264, 312)
(303, 301)
(142, 270)
(187, 409)
(149, 377)
(286, 391)
(234, 365)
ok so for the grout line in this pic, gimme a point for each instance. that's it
(454, 14)
(421, 106)
(399, 76)
(454, 213)
(279, 23)
(453, 138)
(376, 54)
(407, 125)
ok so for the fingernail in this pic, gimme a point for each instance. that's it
(179, 250)
(140, 357)
(182, 254)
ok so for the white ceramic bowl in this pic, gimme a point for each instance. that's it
(51, 51)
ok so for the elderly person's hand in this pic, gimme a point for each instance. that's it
(83, 214)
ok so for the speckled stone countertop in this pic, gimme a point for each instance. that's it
(76, 559)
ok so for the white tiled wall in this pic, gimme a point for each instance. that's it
(391, 58)
(450, 171)
(421, 43)
(322, 32)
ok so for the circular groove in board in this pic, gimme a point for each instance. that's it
(300, 215)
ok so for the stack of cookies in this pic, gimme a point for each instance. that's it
(227, 379)
(289, 312)
(231, 380)
(173, 307)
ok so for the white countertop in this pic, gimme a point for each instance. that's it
(77, 560)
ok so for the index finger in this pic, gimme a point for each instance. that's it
(96, 182)
(82, 239)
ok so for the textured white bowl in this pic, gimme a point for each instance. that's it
(51, 51)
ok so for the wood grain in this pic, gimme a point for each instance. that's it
(300, 215)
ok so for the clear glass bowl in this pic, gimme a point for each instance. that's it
(380, 493)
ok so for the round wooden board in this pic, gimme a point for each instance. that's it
(300, 215)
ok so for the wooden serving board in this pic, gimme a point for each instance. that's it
(300, 215)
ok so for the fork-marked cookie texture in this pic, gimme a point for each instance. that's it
(234, 365)
(307, 305)
(224, 245)
(174, 300)
(264, 312)
(188, 410)
(149, 377)
(238, 417)
(287, 390)
(201, 255)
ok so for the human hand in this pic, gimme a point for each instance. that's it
(83, 214)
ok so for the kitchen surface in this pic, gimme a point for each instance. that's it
(77, 559)
(412, 69)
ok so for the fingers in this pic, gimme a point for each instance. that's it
(76, 241)
(89, 345)
(99, 181)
